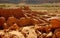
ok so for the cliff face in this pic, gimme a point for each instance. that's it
(29, 1)
(42, 1)
(9, 1)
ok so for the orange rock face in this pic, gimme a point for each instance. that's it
(14, 27)
(11, 12)
(2, 21)
(55, 23)
(44, 28)
(23, 21)
(56, 34)
(11, 21)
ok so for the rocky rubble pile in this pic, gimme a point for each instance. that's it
(25, 23)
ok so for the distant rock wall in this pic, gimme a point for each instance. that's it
(29, 1)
